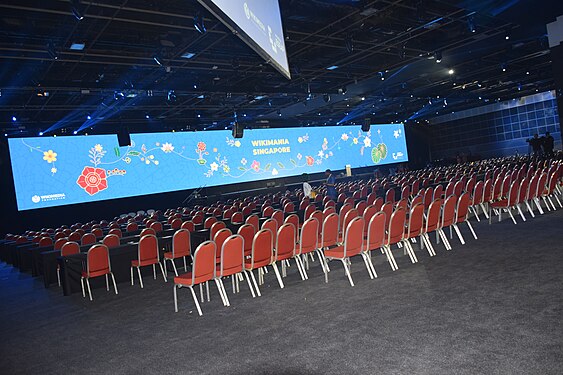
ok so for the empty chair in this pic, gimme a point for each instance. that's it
(111, 241)
(220, 237)
(361, 206)
(289, 207)
(396, 235)
(253, 220)
(88, 239)
(156, 226)
(390, 196)
(309, 243)
(59, 243)
(278, 217)
(209, 222)
(97, 264)
(416, 227)
(98, 232)
(433, 223)
(247, 232)
(293, 219)
(116, 231)
(267, 211)
(176, 223)
(506, 204)
(461, 215)
(237, 217)
(285, 250)
(188, 225)
(203, 271)
(181, 248)
(353, 245)
(148, 231)
(216, 227)
(261, 255)
(309, 211)
(132, 227)
(342, 214)
(448, 213)
(272, 225)
(375, 238)
(69, 248)
(197, 219)
(148, 255)
(388, 209)
(45, 242)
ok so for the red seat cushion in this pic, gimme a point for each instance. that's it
(263, 263)
(335, 252)
(186, 279)
(501, 203)
(168, 255)
(148, 262)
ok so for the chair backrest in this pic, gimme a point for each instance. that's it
(462, 209)
(176, 223)
(448, 211)
(188, 225)
(228, 213)
(405, 192)
(533, 187)
(378, 203)
(458, 188)
(388, 209)
(505, 186)
(116, 231)
(361, 206)
(148, 248)
(59, 235)
(74, 236)
(342, 214)
(289, 207)
(132, 227)
(418, 199)
(354, 237)
(111, 241)
(70, 248)
(478, 192)
(204, 267)
(309, 211)
(60, 243)
(219, 238)
(181, 243)
(488, 190)
(98, 232)
(157, 226)
(45, 241)
(216, 227)
(197, 219)
(209, 222)
(376, 231)
(438, 192)
(416, 220)
(329, 233)
(523, 189)
(309, 236)
(350, 215)
(390, 195)
(232, 255)
(272, 225)
(237, 217)
(396, 229)
(253, 220)
(433, 215)
(247, 232)
(98, 262)
(88, 239)
(542, 183)
(148, 231)
(262, 247)
(268, 211)
(513, 193)
(293, 219)
(403, 202)
(278, 216)
(371, 198)
(285, 242)
(329, 210)
(497, 188)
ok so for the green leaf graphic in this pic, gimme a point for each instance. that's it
(293, 161)
(134, 153)
(281, 165)
(117, 152)
(242, 169)
(267, 167)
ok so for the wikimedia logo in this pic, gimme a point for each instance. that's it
(36, 199)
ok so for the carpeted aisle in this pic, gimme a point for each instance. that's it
(493, 306)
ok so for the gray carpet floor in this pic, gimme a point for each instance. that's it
(492, 306)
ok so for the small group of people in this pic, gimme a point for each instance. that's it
(330, 186)
(542, 146)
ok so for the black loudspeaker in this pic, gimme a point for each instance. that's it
(123, 137)
(366, 125)
(238, 130)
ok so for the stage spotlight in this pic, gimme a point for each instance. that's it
(279, 113)
(75, 132)
(76, 9)
(507, 34)
(88, 117)
(451, 72)
(503, 67)
(147, 116)
(40, 133)
(198, 115)
(199, 24)
(14, 118)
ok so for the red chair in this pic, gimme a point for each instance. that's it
(247, 232)
(350, 215)
(232, 264)
(294, 219)
(111, 241)
(396, 235)
(88, 239)
(438, 192)
(148, 255)
(261, 256)
(329, 210)
(69, 248)
(220, 237)
(253, 220)
(549, 190)
(228, 213)
(448, 213)
(416, 228)
(116, 231)
(309, 243)
(388, 209)
(237, 218)
(403, 203)
(285, 251)
(60, 243)
(132, 227)
(353, 245)
(278, 216)
(268, 211)
(181, 248)
(318, 215)
(203, 271)
(361, 206)
(209, 222)
(309, 211)
(433, 223)
(272, 225)
(289, 207)
(176, 223)
(506, 204)
(188, 225)
(45, 242)
(390, 196)
(341, 215)
(375, 239)
(371, 198)
(216, 227)
(197, 219)
(97, 264)
(461, 216)
(458, 188)
(98, 232)
(147, 231)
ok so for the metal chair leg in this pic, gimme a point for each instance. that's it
(196, 302)
(140, 277)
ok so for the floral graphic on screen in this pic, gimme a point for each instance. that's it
(92, 180)
(49, 156)
(201, 150)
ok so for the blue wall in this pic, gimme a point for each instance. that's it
(497, 129)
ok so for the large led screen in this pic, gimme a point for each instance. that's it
(53, 171)
(258, 23)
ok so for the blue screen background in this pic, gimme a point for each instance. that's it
(53, 171)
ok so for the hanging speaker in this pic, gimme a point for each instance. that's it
(238, 130)
(123, 137)
(366, 125)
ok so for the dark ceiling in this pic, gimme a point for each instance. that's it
(116, 81)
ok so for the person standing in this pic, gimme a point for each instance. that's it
(330, 185)
(547, 144)
(536, 144)
(307, 189)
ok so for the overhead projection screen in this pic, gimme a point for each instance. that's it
(53, 171)
(258, 23)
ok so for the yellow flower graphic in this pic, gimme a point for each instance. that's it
(237, 143)
(98, 148)
(355, 140)
(49, 156)
(226, 169)
(127, 160)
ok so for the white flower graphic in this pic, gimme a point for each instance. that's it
(321, 154)
(300, 139)
(299, 156)
(214, 166)
(167, 147)
(243, 161)
(53, 170)
(237, 143)
(275, 172)
(367, 142)
(98, 148)
(344, 137)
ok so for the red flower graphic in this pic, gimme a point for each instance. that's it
(255, 165)
(310, 160)
(93, 180)
(201, 146)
